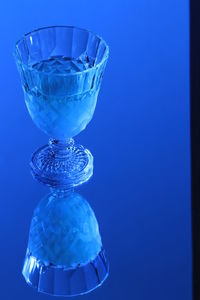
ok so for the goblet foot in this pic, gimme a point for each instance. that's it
(62, 164)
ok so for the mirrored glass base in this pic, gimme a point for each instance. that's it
(60, 281)
(62, 164)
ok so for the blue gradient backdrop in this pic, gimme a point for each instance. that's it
(139, 137)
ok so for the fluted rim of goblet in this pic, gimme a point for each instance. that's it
(26, 66)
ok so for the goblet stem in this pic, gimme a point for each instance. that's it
(60, 146)
(60, 193)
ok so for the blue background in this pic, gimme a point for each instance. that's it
(139, 137)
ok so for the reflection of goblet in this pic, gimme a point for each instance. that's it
(64, 254)
(61, 68)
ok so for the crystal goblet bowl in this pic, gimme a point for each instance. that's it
(61, 69)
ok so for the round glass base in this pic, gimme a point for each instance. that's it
(59, 281)
(62, 165)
